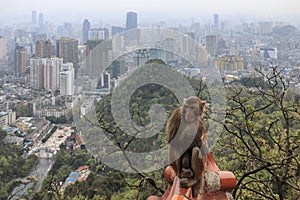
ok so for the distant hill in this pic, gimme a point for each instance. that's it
(285, 30)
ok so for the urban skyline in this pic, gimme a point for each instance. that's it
(114, 12)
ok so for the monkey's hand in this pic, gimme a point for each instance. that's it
(203, 151)
(184, 182)
(187, 182)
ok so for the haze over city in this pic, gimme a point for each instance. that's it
(149, 11)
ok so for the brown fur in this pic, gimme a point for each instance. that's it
(189, 166)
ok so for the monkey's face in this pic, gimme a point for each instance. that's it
(191, 112)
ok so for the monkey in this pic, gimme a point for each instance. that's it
(185, 130)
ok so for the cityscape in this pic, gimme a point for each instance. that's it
(53, 74)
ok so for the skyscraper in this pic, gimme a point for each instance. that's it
(67, 48)
(131, 21)
(43, 49)
(34, 17)
(98, 56)
(131, 24)
(216, 23)
(41, 20)
(20, 61)
(85, 31)
(2, 48)
(211, 45)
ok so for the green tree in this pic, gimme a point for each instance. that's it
(260, 143)
(23, 110)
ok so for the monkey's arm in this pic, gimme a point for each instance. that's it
(173, 124)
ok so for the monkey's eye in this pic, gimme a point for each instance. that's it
(193, 107)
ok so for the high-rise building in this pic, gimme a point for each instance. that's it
(116, 29)
(43, 49)
(2, 48)
(216, 23)
(44, 73)
(105, 80)
(51, 73)
(208, 29)
(67, 48)
(41, 20)
(11, 117)
(98, 34)
(36, 77)
(98, 57)
(39, 36)
(265, 27)
(131, 20)
(169, 43)
(211, 45)
(20, 61)
(201, 55)
(34, 17)
(131, 35)
(68, 29)
(67, 79)
(186, 44)
(3, 119)
(85, 31)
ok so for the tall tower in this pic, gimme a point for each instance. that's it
(131, 35)
(43, 49)
(131, 21)
(2, 48)
(98, 57)
(85, 31)
(34, 17)
(41, 20)
(20, 61)
(211, 45)
(216, 23)
(67, 48)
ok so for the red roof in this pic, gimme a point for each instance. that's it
(83, 168)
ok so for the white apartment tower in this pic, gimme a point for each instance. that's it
(52, 70)
(67, 74)
(44, 73)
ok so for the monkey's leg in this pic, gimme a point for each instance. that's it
(174, 159)
(186, 171)
(198, 166)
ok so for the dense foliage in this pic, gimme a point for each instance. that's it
(259, 143)
(13, 165)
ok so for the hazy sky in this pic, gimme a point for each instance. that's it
(165, 9)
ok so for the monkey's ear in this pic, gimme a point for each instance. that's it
(202, 105)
